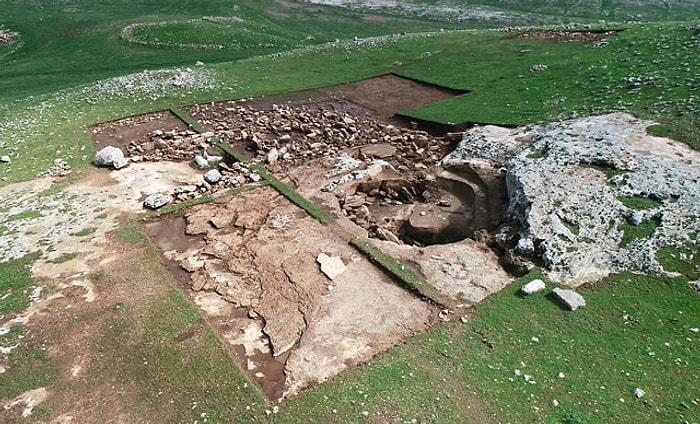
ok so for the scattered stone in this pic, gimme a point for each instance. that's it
(538, 68)
(59, 169)
(108, 155)
(5, 159)
(185, 189)
(120, 163)
(211, 159)
(156, 201)
(201, 162)
(534, 286)
(639, 393)
(378, 151)
(694, 329)
(213, 176)
(332, 266)
(272, 156)
(569, 298)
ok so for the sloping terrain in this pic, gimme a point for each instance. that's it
(97, 325)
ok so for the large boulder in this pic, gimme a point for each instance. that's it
(108, 156)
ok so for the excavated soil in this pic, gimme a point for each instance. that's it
(253, 270)
(250, 261)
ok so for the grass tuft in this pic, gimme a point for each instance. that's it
(16, 283)
(401, 272)
(639, 202)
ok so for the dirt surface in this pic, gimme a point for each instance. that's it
(290, 326)
(76, 295)
(136, 130)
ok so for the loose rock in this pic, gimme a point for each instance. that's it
(156, 201)
(108, 155)
(213, 176)
(534, 286)
(332, 266)
(569, 298)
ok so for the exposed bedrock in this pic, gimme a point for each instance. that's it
(586, 197)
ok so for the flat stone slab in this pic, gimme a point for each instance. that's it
(332, 266)
(534, 286)
(569, 298)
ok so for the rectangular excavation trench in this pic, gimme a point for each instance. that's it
(250, 263)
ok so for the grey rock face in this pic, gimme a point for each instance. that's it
(156, 201)
(569, 298)
(108, 155)
(566, 182)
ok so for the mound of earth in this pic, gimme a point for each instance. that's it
(592, 196)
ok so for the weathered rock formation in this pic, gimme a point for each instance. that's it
(577, 190)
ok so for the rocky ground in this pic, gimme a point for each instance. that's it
(577, 187)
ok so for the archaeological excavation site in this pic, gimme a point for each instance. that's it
(318, 229)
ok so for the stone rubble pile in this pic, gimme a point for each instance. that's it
(170, 145)
(286, 136)
(59, 169)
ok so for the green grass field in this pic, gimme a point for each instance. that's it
(70, 71)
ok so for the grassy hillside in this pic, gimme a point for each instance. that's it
(582, 367)
(531, 12)
(75, 42)
(649, 69)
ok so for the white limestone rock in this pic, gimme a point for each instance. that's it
(332, 266)
(534, 286)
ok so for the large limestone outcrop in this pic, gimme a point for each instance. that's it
(568, 186)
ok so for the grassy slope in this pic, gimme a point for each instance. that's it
(77, 42)
(448, 374)
(634, 332)
(647, 69)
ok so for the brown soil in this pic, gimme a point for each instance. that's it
(134, 129)
(381, 97)
(280, 310)
(577, 36)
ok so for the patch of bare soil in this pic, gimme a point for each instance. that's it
(77, 297)
(577, 36)
(254, 271)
